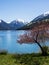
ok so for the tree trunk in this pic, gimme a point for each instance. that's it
(43, 51)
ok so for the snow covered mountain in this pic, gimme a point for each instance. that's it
(41, 18)
(21, 24)
(15, 24)
(3, 25)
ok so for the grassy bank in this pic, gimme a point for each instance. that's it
(25, 59)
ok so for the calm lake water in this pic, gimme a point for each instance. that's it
(8, 41)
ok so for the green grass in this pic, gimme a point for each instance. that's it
(25, 59)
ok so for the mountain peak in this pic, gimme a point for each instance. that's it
(46, 13)
(20, 20)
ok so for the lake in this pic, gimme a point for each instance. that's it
(8, 41)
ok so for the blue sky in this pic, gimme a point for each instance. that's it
(22, 9)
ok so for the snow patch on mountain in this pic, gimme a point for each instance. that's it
(20, 20)
(46, 13)
(0, 21)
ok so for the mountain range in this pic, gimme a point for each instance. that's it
(14, 25)
(21, 25)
